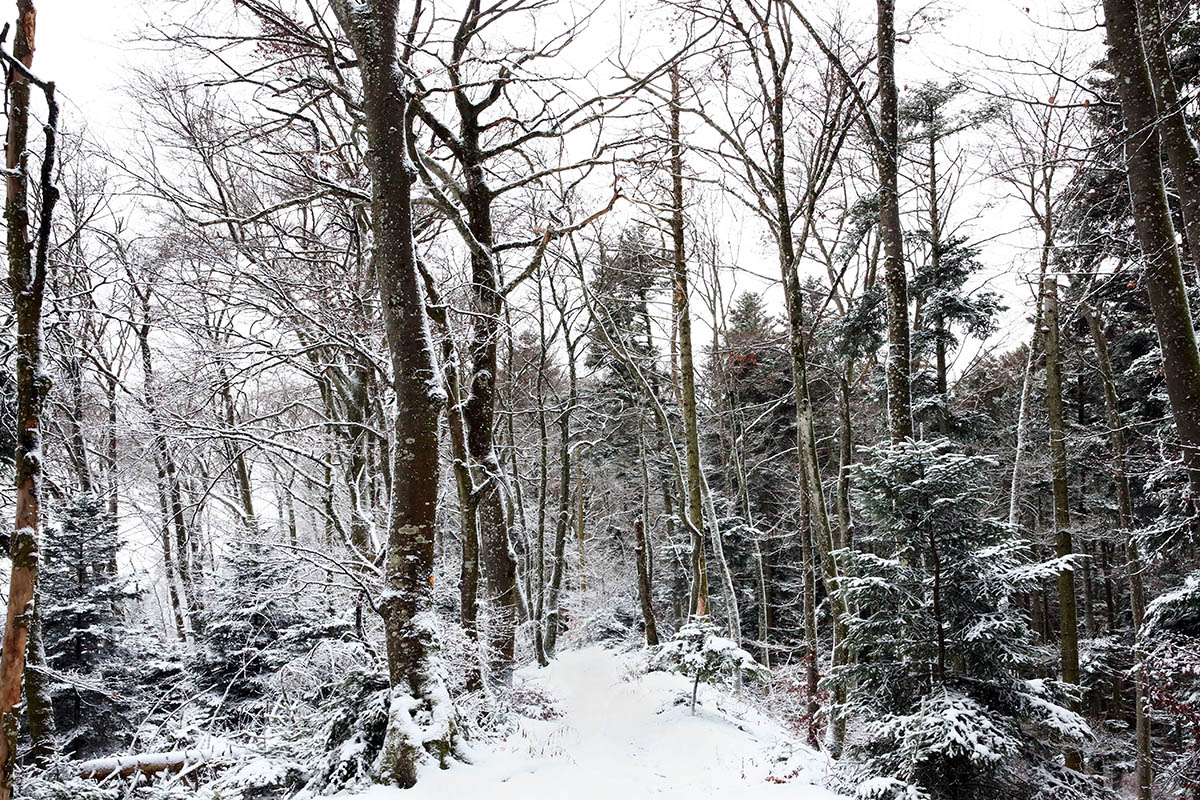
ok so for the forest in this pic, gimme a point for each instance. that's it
(598, 398)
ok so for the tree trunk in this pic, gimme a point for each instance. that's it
(39, 710)
(1172, 127)
(27, 280)
(420, 718)
(641, 551)
(1155, 232)
(1031, 358)
(644, 596)
(1137, 590)
(698, 605)
(563, 519)
(539, 615)
(935, 262)
(1068, 623)
(845, 454)
(899, 391)
(169, 492)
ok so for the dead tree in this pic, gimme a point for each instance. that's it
(27, 281)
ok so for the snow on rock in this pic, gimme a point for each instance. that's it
(623, 735)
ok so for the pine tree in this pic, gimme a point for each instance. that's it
(937, 680)
(87, 643)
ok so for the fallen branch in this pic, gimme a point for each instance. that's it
(150, 763)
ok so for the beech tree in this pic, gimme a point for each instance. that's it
(418, 690)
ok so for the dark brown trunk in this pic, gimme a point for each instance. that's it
(899, 391)
(698, 605)
(1155, 232)
(1068, 622)
(1133, 567)
(1172, 127)
(419, 697)
(562, 520)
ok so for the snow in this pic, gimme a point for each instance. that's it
(625, 734)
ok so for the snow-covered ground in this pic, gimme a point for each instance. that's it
(622, 736)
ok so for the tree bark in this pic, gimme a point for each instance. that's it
(641, 550)
(899, 390)
(562, 520)
(421, 719)
(169, 493)
(1068, 622)
(1182, 155)
(1031, 358)
(39, 710)
(1155, 232)
(698, 603)
(1133, 567)
(27, 280)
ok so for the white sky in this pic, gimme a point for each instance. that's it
(90, 48)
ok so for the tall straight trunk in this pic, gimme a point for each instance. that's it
(169, 569)
(27, 281)
(939, 322)
(539, 600)
(1173, 132)
(1133, 566)
(356, 438)
(110, 451)
(1155, 232)
(562, 520)
(1023, 408)
(810, 471)
(76, 443)
(170, 492)
(732, 611)
(580, 530)
(899, 390)
(468, 583)
(819, 533)
(421, 718)
(808, 570)
(845, 454)
(1068, 622)
(641, 551)
(698, 605)
(237, 455)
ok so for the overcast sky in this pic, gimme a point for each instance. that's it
(90, 48)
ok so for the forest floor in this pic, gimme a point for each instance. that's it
(623, 734)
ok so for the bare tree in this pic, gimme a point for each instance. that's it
(413, 668)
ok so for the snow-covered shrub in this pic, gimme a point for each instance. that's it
(358, 716)
(253, 628)
(102, 664)
(610, 621)
(533, 702)
(699, 651)
(790, 699)
(1170, 643)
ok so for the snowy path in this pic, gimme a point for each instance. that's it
(621, 737)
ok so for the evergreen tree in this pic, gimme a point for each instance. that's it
(87, 644)
(255, 626)
(938, 683)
